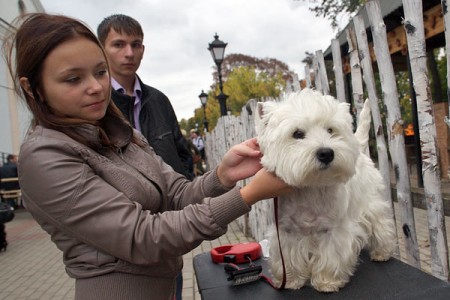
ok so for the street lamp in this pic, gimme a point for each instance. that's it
(217, 49)
(203, 98)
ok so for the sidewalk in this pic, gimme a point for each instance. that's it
(32, 266)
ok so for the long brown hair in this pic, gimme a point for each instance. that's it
(37, 35)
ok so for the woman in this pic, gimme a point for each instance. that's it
(120, 215)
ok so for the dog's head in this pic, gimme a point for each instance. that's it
(307, 139)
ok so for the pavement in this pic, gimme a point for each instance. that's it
(32, 267)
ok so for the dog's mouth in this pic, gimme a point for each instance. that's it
(324, 166)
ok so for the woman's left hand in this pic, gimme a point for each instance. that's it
(240, 162)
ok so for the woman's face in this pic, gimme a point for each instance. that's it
(75, 80)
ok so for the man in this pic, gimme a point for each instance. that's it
(147, 109)
(198, 142)
(9, 170)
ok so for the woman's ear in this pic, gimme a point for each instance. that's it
(26, 86)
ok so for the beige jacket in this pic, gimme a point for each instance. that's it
(119, 211)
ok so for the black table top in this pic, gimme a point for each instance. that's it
(372, 280)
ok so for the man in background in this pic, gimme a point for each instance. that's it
(9, 170)
(199, 143)
(146, 108)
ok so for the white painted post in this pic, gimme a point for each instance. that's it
(295, 83)
(317, 83)
(366, 63)
(355, 69)
(308, 76)
(323, 78)
(445, 5)
(415, 36)
(394, 124)
(338, 72)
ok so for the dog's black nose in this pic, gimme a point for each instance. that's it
(325, 155)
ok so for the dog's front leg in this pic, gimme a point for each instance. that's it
(296, 264)
(335, 261)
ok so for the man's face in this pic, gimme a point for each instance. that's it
(124, 52)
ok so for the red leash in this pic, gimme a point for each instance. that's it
(283, 283)
(240, 253)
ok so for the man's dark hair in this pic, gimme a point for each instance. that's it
(120, 23)
(10, 157)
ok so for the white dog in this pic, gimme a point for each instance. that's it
(337, 208)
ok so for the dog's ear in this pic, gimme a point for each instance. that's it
(264, 111)
(362, 131)
(259, 123)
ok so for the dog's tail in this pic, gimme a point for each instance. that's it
(362, 131)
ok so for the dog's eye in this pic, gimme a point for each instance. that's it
(330, 130)
(298, 134)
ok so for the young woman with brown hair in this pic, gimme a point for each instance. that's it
(120, 215)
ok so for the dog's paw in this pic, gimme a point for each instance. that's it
(380, 255)
(295, 284)
(328, 284)
(328, 287)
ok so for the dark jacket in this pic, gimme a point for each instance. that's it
(9, 170)
(159, 125)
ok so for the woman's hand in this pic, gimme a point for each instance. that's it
(240, 162)
(264, 185)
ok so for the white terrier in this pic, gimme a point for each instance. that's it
(338, 207)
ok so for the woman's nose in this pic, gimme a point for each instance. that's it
(94, 86)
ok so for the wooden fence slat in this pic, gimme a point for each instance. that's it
(355, 69)
(338, 72)
(296, 82)
(394, 119)
(415, 36)
(366, 63)
(317, 83)
(323, 78)
(308, 75)
(445, 6)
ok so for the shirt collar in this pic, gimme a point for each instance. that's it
(137, 91)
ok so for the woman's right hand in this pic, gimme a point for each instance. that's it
(264, 185)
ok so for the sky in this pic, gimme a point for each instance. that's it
(177, 33)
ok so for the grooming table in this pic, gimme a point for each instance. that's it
(372, 280)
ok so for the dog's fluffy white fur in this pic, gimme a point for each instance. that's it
(337, 208)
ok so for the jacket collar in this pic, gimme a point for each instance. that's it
(117, 130)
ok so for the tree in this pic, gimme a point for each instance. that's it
(332, 10)
(244, 78)
(243, 83)
(246, 82)
(271, 66)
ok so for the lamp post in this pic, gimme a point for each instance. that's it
(217, 49)
(203, 98)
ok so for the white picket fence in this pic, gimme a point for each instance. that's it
(231, 130)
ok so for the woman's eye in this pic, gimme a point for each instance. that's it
(298, 134)
(72, 79)
(102, 72)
